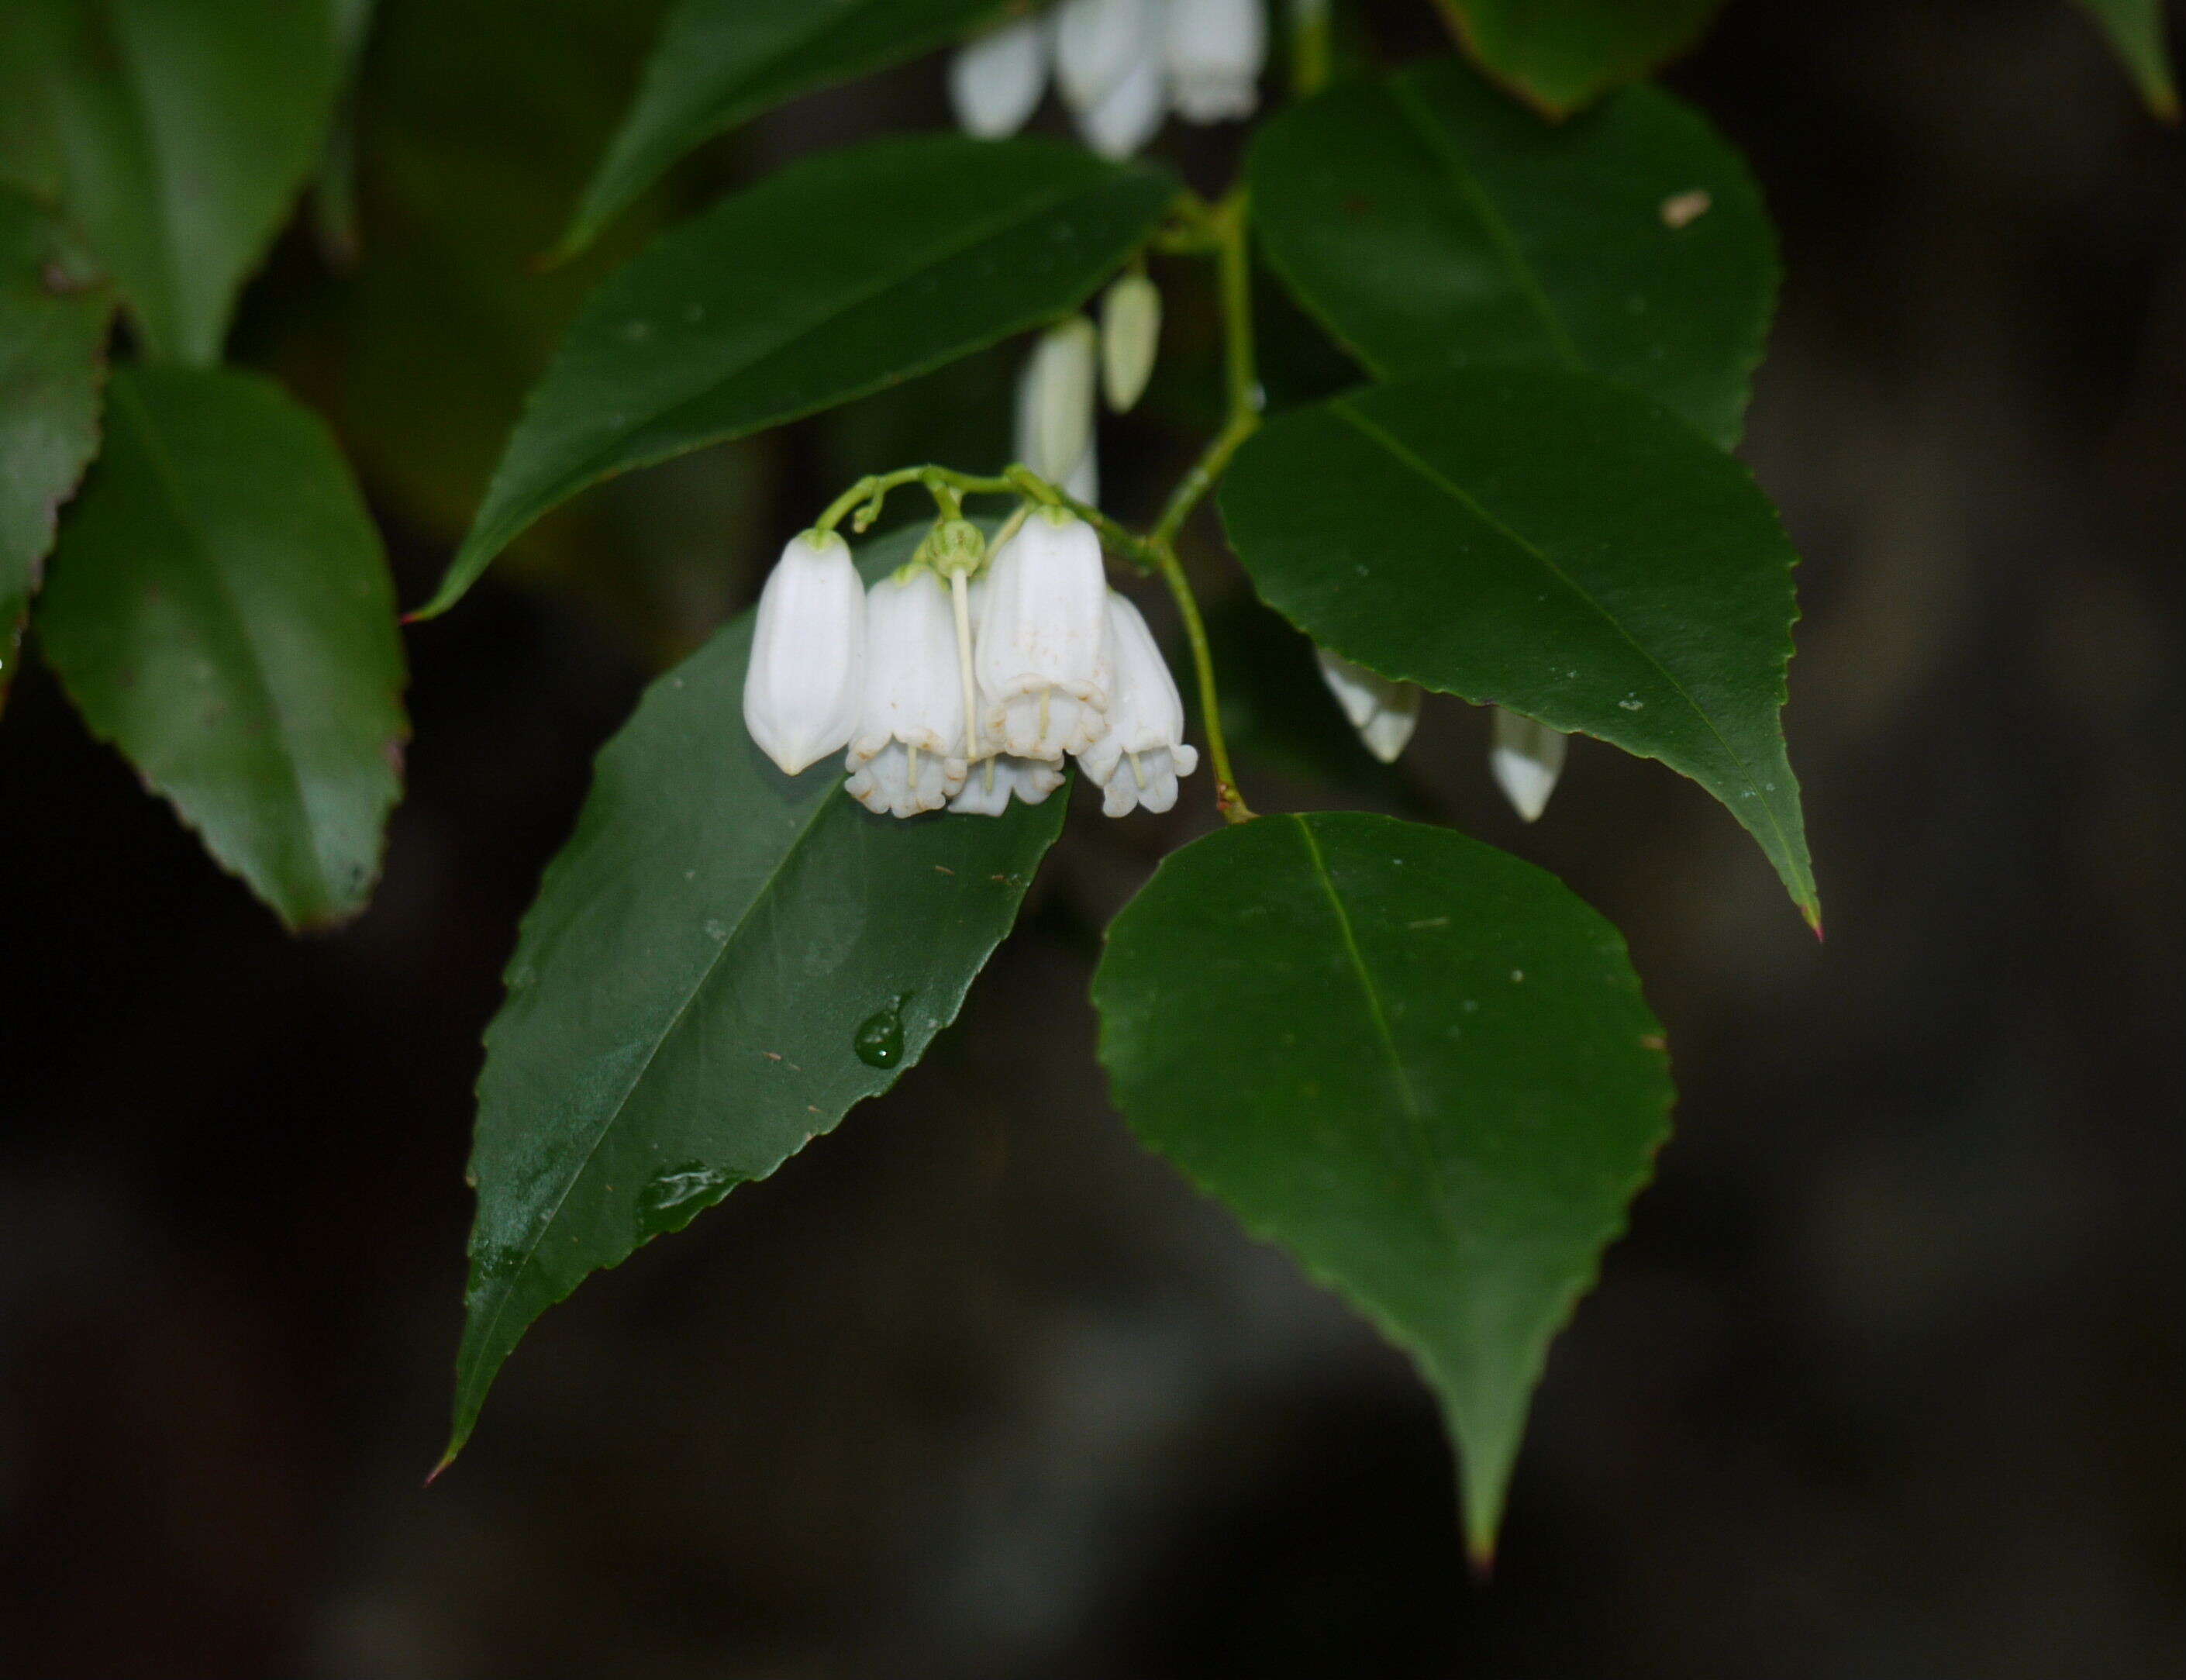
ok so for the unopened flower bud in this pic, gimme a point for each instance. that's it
(1526, 759)
(953, 545)
(1055, 400)
(1130, 335)
(802, 687)
(1383, 712)
(1215, 50)
(995, 81)
(1138, 761)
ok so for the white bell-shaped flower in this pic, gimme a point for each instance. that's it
(1038, 651)
(1130, 335)
(1526, 759)
(989, 783)
(1055, 401)
(908, 754)
(1129, 115)
(1098, 42)
(1383, 712)
(1138, 761)
(995, 81)
(804, 685)
(1215, 51)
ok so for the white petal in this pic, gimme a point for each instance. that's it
(1129, 113)
(1098, 42)
(1082, 483)
(900, 781)
(805, 684)
(990, 784)
(1145, 713)
(1044, 615)
(1383, 712)
(1056, 399)
(1215, 50)
(1130, 335)
(1527, 759)
(914, 688)
(995, 81)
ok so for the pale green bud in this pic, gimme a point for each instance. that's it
(1130, 335)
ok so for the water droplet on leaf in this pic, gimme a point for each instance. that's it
(879, 1038)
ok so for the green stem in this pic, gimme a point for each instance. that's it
(1227, 799)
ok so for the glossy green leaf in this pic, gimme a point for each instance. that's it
(722, 62)
(184, 133)
(220, 610)
(1429, 223)
(1420, 1065)
(2137, 34)
(53, 316)
(1551, 543)
(1558, 54)
(848, 271)
(689, 992)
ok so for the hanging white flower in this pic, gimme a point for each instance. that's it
(1384, 713)
(1138, 761)
(1056, 406)
(1098, 42)
(1215, 50)
(1039, 650)
(989, 783)
(802, 687)
(1526, 759)
(995, 81)
(1130, 335)
(1130, 113)
(908, 753)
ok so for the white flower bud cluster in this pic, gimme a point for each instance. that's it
(964, 693)
(1120, 66)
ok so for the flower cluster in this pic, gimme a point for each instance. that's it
(1121, 66)
(965, 678)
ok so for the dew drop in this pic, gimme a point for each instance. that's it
(879, 1037)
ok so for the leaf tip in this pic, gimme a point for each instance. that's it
(447, 1457)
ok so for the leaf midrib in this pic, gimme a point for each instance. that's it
(764, 890)
(1415, 1129)
(1343, 407)
(169, 483)
(1433, 141)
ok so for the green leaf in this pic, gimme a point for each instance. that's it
(1420, 1065)
(185, 133)
(1548, 542)
(53, 316)
(848, 271)
(1432, 223)
(722, 62)
(2136, 31)
(687, 992)
(1559, 54)
(220, 610)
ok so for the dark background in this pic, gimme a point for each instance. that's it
(1886, 1380)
